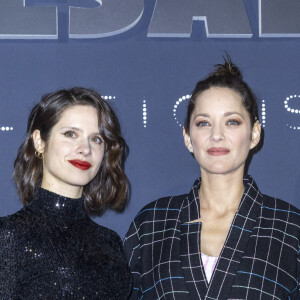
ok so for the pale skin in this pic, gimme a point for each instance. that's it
(220, 137)
(74, 137)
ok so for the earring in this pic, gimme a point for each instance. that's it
(191, 148)
(39, 155)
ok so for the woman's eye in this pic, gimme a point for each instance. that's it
(233, 122)
(96, 139)
(70, 134)
(202, 124)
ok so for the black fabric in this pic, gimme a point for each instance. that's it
(259, 260)
(51, 249)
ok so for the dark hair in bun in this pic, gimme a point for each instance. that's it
(226, 75)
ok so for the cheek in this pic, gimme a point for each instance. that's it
(244, 141)
(199, 138)
(98, 155)
(59, 151)
(199, 145)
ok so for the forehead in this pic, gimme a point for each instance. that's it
(79, 114)
(218, 100)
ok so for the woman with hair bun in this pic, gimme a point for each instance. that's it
(70, 166)
(224, 239)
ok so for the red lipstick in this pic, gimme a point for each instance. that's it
(80, 164)
(217, 151)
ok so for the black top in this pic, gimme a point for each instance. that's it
(51, 249)
(260, 259)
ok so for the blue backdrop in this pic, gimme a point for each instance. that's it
(147, 79)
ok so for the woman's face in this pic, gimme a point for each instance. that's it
(74, 152)
(220, 132)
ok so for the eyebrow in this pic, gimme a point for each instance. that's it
(77, 129)
(227, 114)
(72, 128)
(201, 115)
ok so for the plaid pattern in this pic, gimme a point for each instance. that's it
(260, 258)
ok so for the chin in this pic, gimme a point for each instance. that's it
(217, 168)
(81, 182)
(220, 171)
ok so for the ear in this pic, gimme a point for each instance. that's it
(255, 135)
(187, 141)
(39, 144)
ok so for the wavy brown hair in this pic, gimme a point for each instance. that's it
(229, 76)
(109, 189)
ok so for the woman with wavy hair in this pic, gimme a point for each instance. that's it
(224, 239)
(70, 166)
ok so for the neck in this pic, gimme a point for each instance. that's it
(51, 204)
(68, 191)
(219, 192)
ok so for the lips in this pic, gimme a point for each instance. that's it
(80, 164)
(218, 151)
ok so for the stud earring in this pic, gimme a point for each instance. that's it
(39, 155)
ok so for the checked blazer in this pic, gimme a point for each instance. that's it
(259, 260)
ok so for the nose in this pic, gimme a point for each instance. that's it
(217, 133)
(84, 147)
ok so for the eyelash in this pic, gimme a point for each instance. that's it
(98, 142)
(201, 124)
(206, 123)
(72, 134)
(237, 122)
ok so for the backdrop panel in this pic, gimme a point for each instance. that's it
(157, 74)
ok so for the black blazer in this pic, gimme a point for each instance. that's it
(260, 258)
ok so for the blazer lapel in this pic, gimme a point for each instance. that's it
(237, 239)
(190, 255)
